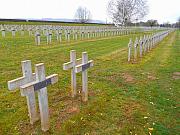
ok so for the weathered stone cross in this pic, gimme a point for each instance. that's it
(49, 38)
(71, 65)
(129, 49)
(28, 77)
(135, 48)
(38, 38)
(3, 33)
(40, 86)
(141, 42)
(83, 68)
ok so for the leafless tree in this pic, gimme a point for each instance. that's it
(83, 15)
(125, 11)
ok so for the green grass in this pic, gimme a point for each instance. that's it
(124, 98)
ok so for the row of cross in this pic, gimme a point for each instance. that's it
(145, 44)
(75, 35)
(30, 83)
(63, 29)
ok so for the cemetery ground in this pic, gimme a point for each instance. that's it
(124, 98)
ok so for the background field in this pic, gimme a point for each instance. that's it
(124, 98)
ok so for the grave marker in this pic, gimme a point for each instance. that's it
(76, 35)
(68, 36)
(40, 85)
(129, 49)
(141, 42)
(28, 77)
(148, 43)
(13, 32)
(145, 44)
(38, 38)
(49, 38)
(135, 48)
(83, 68)
(60, 36)
(3, 33)
(71, 65)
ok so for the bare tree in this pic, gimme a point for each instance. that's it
(125, 11)
(83, 15)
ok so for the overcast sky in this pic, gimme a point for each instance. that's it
(162, 10)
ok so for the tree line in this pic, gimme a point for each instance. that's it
(124, 13)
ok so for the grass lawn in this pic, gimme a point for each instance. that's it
(124, 98)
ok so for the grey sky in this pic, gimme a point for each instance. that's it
(162, 10)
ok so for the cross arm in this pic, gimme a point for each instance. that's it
(16, 83)
(69, 65)
(25, 89)
(83, 67)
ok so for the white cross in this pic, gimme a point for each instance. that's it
(148, 43)
(28, 77)
(151, 44)
(13, 32)
(76, 35)
(40, 85)
(38, 38)
(135, 48)
(83, 68)
(60, 36)
(141, 42)
(71, 65)
(3, 33)
(145, 44)
(129, 49)
(49, 38)
(68, 36)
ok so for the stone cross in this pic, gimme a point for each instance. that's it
(38, 38)
(76, 35)
(68, 36)
(3, 33)
(148, 43)
(71, 65)
(82, 35)
(65, 34)
(60, 36)
(145, 44)
(151, 44)
(83, 68)
(135, 48)
(40, 85)
(28, 77)
(129, 49)
(13, 32)
(57, 34)
(141, 42)
(49, 38)
(153, 41)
